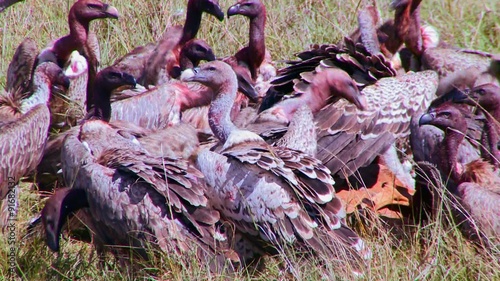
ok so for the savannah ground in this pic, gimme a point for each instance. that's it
(434, 251)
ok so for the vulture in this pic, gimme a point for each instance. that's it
(253, 58)
(248, 63)
(349, 138)
(365, 68)
(80, 15)
(320, 88)
(476, 185)
(134, 196)
(163, 62)
(276, 195)
(24, 127)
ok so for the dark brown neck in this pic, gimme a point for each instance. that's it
(413, 37)
(192, 23)
(449, 158)
(102, 106)
(76, 39)
(491, 129)
(257, 45)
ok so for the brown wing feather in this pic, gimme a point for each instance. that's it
(21, 67)
(21, 145)
(136, 195)
(135, 62)
(348, 136)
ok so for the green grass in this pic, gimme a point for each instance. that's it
(436, 251)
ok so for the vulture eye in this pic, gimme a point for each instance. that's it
(199, 49)
(481, 92)
(446, 114)
(115, 75)
(94, 6)
(211, 68)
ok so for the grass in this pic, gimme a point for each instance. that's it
(435, 251)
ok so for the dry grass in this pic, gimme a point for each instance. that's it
(436, 251)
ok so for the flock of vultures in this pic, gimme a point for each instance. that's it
(228, 159)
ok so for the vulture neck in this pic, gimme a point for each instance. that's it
(102, 110)
(413, 37)
(257, 45)
(219, 114)
(192, 23)
(491, 128)
(452, 141)
(41, 92)
(194, 95)
(76, 39)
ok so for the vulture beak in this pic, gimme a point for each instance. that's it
(233, 10)
(426, 119)
(210, 56)
(219, 14)
(193, 76)
(467, 97)
(52, 238)
(215, 10)
(111, 12)
(129, 79)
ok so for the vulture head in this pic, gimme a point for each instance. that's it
(216, 75)
(487, 96)
(247, 8)
(106, 81)
(110, 79)
(219, 75)
(53, 73)
(445, 117)
(57, 209)
(337, 82)
(208, 6)
(197, 50)
(194, 51)
(85, 11)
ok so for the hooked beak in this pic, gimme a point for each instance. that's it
(210, 56)
(458, 96)
(52, 238)
(111, 12)
(426, 119)
(233, 10)
(192, 75)
(216, 11)
(129, 79)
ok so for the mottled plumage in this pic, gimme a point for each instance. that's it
(363, 67)
(164, 61)
(22, 139)
(135, 197)
(275, 194)
(476, 185)
(350, 138)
